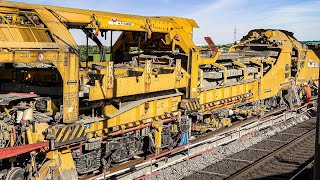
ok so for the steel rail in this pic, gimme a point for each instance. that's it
(258, 164)
(302, 170)
(205, 144)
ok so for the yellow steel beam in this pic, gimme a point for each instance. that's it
(245, 74)
(203, 61)
(269, 61)
(259, 64)
(225, 71)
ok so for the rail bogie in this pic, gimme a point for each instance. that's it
(62, 117)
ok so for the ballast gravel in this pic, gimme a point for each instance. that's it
(250, 155)
(186, 168)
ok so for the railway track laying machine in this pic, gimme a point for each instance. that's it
(62, 117)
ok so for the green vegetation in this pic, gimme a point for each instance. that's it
(224, 47)
(94, 50)
(310, 42)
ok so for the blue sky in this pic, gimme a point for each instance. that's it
(217, 18)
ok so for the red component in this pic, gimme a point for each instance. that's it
(200, 153)
(177, 37)
(167, 152)
(194, 125)
(22, 121)
(211, 45)
(169, 120)
(18, 150)
(130, 130)
(307, 89)
(147, 175)
(146, 105)
(23, 94)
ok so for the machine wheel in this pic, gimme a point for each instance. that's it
(15, 173)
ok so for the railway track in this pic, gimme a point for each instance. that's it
(152, 164)
(286, 161)
(281, 156)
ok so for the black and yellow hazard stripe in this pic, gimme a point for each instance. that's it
(227, 100)
(191, 104)
(163, 117)
(69, 134)
(131, 125)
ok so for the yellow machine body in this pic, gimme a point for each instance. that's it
(170, 88)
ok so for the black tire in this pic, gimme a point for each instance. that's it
(16, 173)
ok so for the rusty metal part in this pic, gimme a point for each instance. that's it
(15, 151)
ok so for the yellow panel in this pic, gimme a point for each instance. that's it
(41, 35)
(271, 82)
(27, 35)
(310, 70)
(140, 112)
(6, 34)
(226, 92)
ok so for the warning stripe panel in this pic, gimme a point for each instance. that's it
(193, 105)
(130, 125)
(60, 133)
(226, 100)
(190, 104)
(66, 134)
(73, 134)
(69, 134)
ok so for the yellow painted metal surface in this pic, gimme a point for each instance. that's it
(59, 164)
(67, 61)
(144, 94)
(277, 79)
(145, 83)
(145, 112)
(308, 67)
(229, 92)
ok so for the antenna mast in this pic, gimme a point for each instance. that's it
(235, 34)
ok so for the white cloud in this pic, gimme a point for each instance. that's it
(303, 19)
(217, 21)
(219, 18)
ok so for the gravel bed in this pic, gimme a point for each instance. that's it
(186, 168)
(226, 167)
(268, 145)
(250, 155)
(283, 137)
(297, 131)
(202, 176)
(287, 164)
(308, 124)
